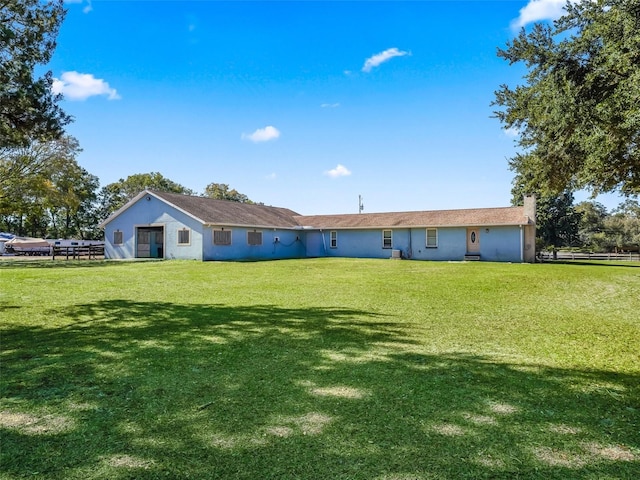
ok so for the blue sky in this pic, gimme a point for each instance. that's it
(300, 104)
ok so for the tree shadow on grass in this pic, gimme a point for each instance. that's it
(157, 390)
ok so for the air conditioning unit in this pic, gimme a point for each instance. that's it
(396, 254)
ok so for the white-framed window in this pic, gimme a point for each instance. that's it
(432, 237)
(333, 239)
(117, 237)
(387, 239)
(184, 236)
(254, 238)
(222, 237)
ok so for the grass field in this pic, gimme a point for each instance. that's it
(319, 369)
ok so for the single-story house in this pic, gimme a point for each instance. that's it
(168, 225)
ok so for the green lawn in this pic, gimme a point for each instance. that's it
(319, 369)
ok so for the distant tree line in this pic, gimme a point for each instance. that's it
(586, 225)
(45, 193)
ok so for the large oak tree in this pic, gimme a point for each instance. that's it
(44, 192)
(578, 112)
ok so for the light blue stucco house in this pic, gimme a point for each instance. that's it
(167, 225)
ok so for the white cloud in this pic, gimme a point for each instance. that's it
(80, 86)
(87, 8)
(339, 171)
(262, 134)
(537, 10)
(271, 176)
(382, 57)
(330, 105)
(512, 132)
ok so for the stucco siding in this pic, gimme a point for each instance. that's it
(148, 213)
(191, 251)
(289, 244)
(500, 244)
(366, 243)
(120, 251)
(313, 242)
(451, 244)
(497, 244)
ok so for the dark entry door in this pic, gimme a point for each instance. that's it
(150, 242)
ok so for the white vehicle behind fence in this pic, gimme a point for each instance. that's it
(13, 245)
(27, 246)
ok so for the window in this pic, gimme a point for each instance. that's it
(184, 237)
(222, 237)
(117, 237)
(333, 239)
(432, 237)
(254, 238)
(387, 239)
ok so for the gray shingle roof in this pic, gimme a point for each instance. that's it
(433, 218)
(222, 212)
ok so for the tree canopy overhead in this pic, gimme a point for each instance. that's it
(28, 108)
(115, 195)
(221, 191)
(578, 114)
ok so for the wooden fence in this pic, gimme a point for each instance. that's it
(548, 256)
(76, 252)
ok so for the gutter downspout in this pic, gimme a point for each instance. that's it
(521, 244)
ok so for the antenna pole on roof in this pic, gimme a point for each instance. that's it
(360, 204)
